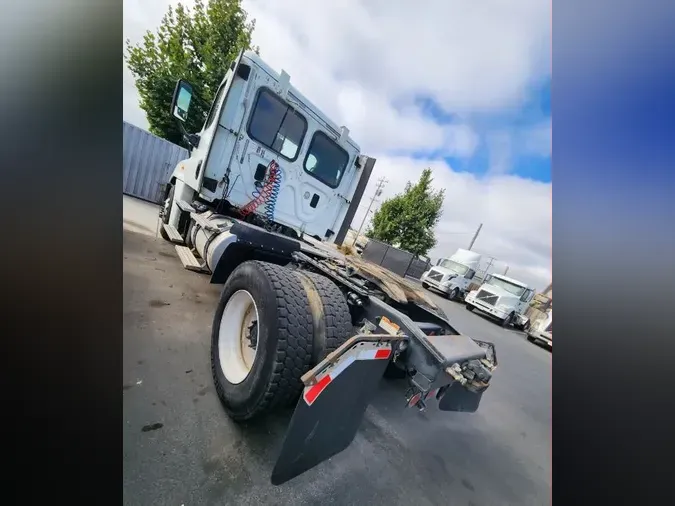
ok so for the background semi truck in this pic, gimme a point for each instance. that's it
(270, 184)
(542, 330)
(452, 276)
(502, 298)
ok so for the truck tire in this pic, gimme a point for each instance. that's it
(506, 322)
(331, 319)
(168, 203)
(468, 307)
(279, 327)
(454, 294)
(425, 285)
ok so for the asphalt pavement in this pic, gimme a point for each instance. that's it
(180, 448)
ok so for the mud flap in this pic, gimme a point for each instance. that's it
(336, 394)
(457, 398)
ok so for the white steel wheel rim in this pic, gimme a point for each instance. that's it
(167, 205)
(235, 354)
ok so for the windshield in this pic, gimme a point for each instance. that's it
(454, 266)
(509, 287)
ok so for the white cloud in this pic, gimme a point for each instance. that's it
(364, 63)
(500, 147)
(515, 213)
(537, 140)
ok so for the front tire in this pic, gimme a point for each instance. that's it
(166, 213)
(469, 307)
(283, 340)
(425, 285)
(454, 294)
(506, 322)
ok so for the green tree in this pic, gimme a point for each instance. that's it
(408, 219)
(198, 45)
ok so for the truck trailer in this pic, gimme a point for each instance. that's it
(269, 190)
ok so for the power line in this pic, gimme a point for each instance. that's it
(378, 191)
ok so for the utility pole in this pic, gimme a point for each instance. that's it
(506, 270)
(378, 191)
(474, 236)
(488, 268)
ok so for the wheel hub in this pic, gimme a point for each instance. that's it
(252, 335)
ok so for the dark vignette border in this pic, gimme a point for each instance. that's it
(613, 251)
(61, 151)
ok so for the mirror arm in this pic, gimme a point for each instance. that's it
(191, 139)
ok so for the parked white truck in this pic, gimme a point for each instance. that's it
(270, 183)
(542, 330)
(503, 298)
(452, 276)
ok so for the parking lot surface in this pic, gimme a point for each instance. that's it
(181, 449)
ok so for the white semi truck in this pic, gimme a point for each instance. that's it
(271, 180)
(542, 330)
(504, 299)
(452, 276)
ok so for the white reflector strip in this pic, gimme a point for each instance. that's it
(312, 392)
(342, 366)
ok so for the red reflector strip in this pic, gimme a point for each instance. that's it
(414, 399)
(383, 353)
(313, 392)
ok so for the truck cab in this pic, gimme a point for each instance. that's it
(452, 276)
(503, 298)
(264, 144)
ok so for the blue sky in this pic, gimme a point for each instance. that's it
(515, 123)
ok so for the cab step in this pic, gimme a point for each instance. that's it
(184, 206)
(173, 234)
(204, 223)
(189, 261)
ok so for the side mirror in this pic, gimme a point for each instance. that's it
(438, 261)
(470, 274)
(180, 103)
(487, 278)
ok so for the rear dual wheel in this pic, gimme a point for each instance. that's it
(272, 324)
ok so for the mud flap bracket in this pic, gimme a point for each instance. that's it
(336, 394)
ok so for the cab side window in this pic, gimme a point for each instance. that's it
(276, 125)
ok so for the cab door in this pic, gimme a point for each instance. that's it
(193, 172)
